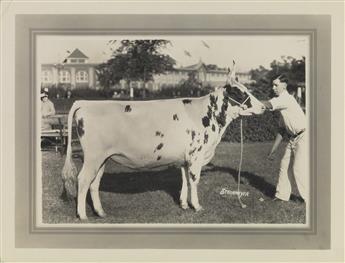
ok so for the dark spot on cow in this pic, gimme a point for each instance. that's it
(159, 157)
(225, 104)
(128, 108)
(198, 141)
(192, 151)
(209, 112)
(206, 121)
(205, 138)
(213, 127)
(187, 101)
(158, 133)
(193, 135)
(200, 148)
(175, 117)
(80, 127)
(221, 119)
(159, 146)
(213, 102)
(193, 176)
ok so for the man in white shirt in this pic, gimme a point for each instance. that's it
(293, 122)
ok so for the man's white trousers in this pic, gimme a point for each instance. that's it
(296, 153)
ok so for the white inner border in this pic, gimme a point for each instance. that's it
(149, 225)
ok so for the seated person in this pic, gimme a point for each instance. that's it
(47, 110)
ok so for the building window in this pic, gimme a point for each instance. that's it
(81, 60)
(65, 76)
(46, 76)
(82, 76)
(73, 60)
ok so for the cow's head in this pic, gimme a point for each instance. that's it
(238, 95)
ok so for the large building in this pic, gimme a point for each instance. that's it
(76, 71)
(206, 75)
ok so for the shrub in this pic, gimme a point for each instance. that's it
(255, 128)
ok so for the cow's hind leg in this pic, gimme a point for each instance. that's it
(184, 188)
(194, 177)
(94, 191)
(86, 176)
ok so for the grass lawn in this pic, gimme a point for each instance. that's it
(152, 197)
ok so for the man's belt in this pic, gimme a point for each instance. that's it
(297, 134)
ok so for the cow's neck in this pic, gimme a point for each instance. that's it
(219, 115)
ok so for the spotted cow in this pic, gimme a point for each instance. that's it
(151, 135)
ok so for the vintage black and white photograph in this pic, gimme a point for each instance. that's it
(173, 129)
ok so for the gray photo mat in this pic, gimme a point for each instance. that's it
(29, 235)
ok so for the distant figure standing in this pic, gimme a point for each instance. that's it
(69, 94)
(47, 110)
(293, 123)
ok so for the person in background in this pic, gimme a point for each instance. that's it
(116, 95)
(69, 94)
(47, 110)
(293, 124)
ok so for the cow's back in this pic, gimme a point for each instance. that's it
(139, 134)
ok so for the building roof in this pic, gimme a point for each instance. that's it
(77, 54)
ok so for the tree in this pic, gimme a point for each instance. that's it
(293, 68)
(191, 85)
(135, 60)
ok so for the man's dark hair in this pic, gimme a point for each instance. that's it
(282, 78)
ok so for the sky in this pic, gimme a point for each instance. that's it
(249, 52)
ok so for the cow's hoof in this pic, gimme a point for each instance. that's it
(198, 208)
(184, 206)
(82, 218)
(101, 214)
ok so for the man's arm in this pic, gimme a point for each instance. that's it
(276, 143)
(267, 104)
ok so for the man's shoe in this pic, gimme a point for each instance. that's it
(276, 199)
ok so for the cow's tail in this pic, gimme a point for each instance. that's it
(69, 171)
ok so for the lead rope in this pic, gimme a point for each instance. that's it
(239, 169)
(241, 157)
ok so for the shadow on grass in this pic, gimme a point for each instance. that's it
(170, 181)
(248, 178)
(140, 182)
(251, 179)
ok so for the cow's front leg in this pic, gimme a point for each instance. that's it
(184, 188)
(194, 177)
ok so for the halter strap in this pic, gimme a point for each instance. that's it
(238, 102)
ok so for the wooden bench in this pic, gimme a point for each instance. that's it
(57, 136)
